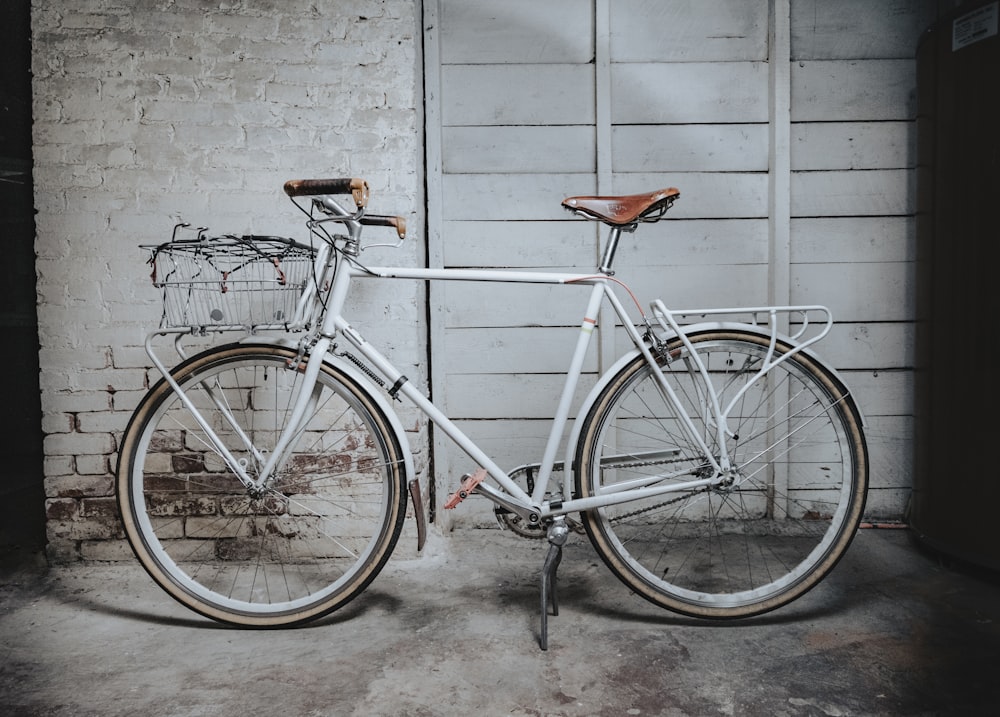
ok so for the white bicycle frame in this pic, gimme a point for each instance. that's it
(345, 269)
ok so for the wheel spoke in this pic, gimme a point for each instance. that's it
(302, 545)
(750, 543)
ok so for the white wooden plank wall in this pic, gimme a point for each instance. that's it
(853, 159)
(530, 102)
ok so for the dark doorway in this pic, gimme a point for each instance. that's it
(22, 497)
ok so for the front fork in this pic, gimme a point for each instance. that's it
(304, 405)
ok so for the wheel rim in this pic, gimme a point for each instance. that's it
(758, 543)
(309, 540)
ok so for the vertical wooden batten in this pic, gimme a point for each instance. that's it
(779, 165)
(603, 98)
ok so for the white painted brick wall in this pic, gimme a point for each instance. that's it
(149, 113)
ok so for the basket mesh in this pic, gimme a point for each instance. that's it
(231, 282)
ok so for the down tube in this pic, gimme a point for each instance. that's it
(432, 412)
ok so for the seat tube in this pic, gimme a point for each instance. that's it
(569, 390)
(609, 251)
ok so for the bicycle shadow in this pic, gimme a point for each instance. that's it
(509, 586)
(586, 588)
(156, 609)
(859, 578)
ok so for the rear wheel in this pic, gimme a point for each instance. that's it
(302, 545)
(756, 542)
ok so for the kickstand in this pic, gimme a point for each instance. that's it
(558, 532)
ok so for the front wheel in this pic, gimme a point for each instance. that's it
(299, 546)
(780, 521)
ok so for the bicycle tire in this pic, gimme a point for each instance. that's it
(730, 551)
(308, 543)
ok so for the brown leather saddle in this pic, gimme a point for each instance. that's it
(624, 210)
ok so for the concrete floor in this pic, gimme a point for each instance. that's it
(893, 631)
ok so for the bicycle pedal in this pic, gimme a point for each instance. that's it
(469, 483)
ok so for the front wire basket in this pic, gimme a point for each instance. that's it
(232, 282)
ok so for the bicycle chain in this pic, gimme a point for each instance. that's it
(536, 532)
(634, 513)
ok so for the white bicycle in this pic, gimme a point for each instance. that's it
(719, 467)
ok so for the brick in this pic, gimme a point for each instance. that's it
(106, 550)
(102, 422)
(214, 463)
(304, 27)
(58, 466)
(93, 465)
(289, 94)
(89, 20)
(159, 463)
(60, 550)
(150, 20)
(104, 334)
(58, 422)
(95, 379)
(62, 509)
(185, 113)
(127, 400)
(72, 402)
(95, 358)
(100, 529)
(187, 463)
(102, 509)
(339, 53)
(72, 444)
(95, 154)
(47, 203)
(242, 26)
(75, 486)
(125, 89)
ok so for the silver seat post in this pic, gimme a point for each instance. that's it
(609, 250)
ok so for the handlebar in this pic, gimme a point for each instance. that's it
(358, 188)
(377, 220)
(321, 192)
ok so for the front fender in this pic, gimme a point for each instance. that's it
(376, 394)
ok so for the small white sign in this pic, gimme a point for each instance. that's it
(974, 26)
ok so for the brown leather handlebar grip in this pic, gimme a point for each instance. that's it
(378, 220)
(358, 188)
